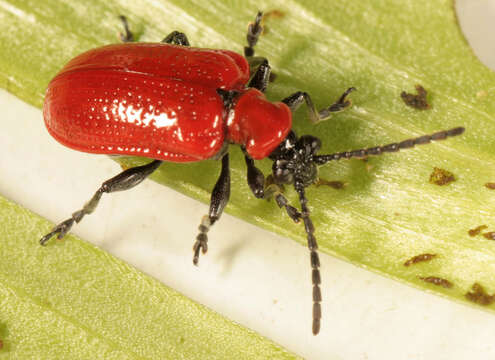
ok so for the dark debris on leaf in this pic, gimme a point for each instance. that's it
(419, 258)
(489, 235)
(490, 185)
(477, 230)
(437, 281)
(416, 101)
(479, 295)
(441, 177)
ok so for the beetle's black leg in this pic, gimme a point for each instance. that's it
(255, 178)
(219, 199)
(127, 36)
(123, 181)
(261, 77)
(393, 147)
(282, 201)
(295, 100)
(256, 182)
(257, 65)
(253, 33)
(176, 38)
(315, 259)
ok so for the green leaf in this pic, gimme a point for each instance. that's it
(76, 301)
(389, 211)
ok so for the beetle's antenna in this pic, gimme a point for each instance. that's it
(315, 259)
(393, 147)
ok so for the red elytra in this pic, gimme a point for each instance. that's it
(160, 101)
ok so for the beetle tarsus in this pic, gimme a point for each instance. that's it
(219, 199)
(295, 100)
(127, 36)
(343, 103)
(127, 179)
(201, 245)
(61, 229)
(257, 65)
(282, 201)
(268, 189)
(254, 31)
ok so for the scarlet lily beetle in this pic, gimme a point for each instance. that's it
(171, 102)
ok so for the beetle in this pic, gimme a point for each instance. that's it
(168, 101)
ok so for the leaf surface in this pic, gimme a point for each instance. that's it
(76, 301)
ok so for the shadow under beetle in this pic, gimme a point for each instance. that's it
(171, 102)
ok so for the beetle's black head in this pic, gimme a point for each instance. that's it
(293, 160)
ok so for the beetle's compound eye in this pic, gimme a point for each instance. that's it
(308, 143)
(283, 172)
